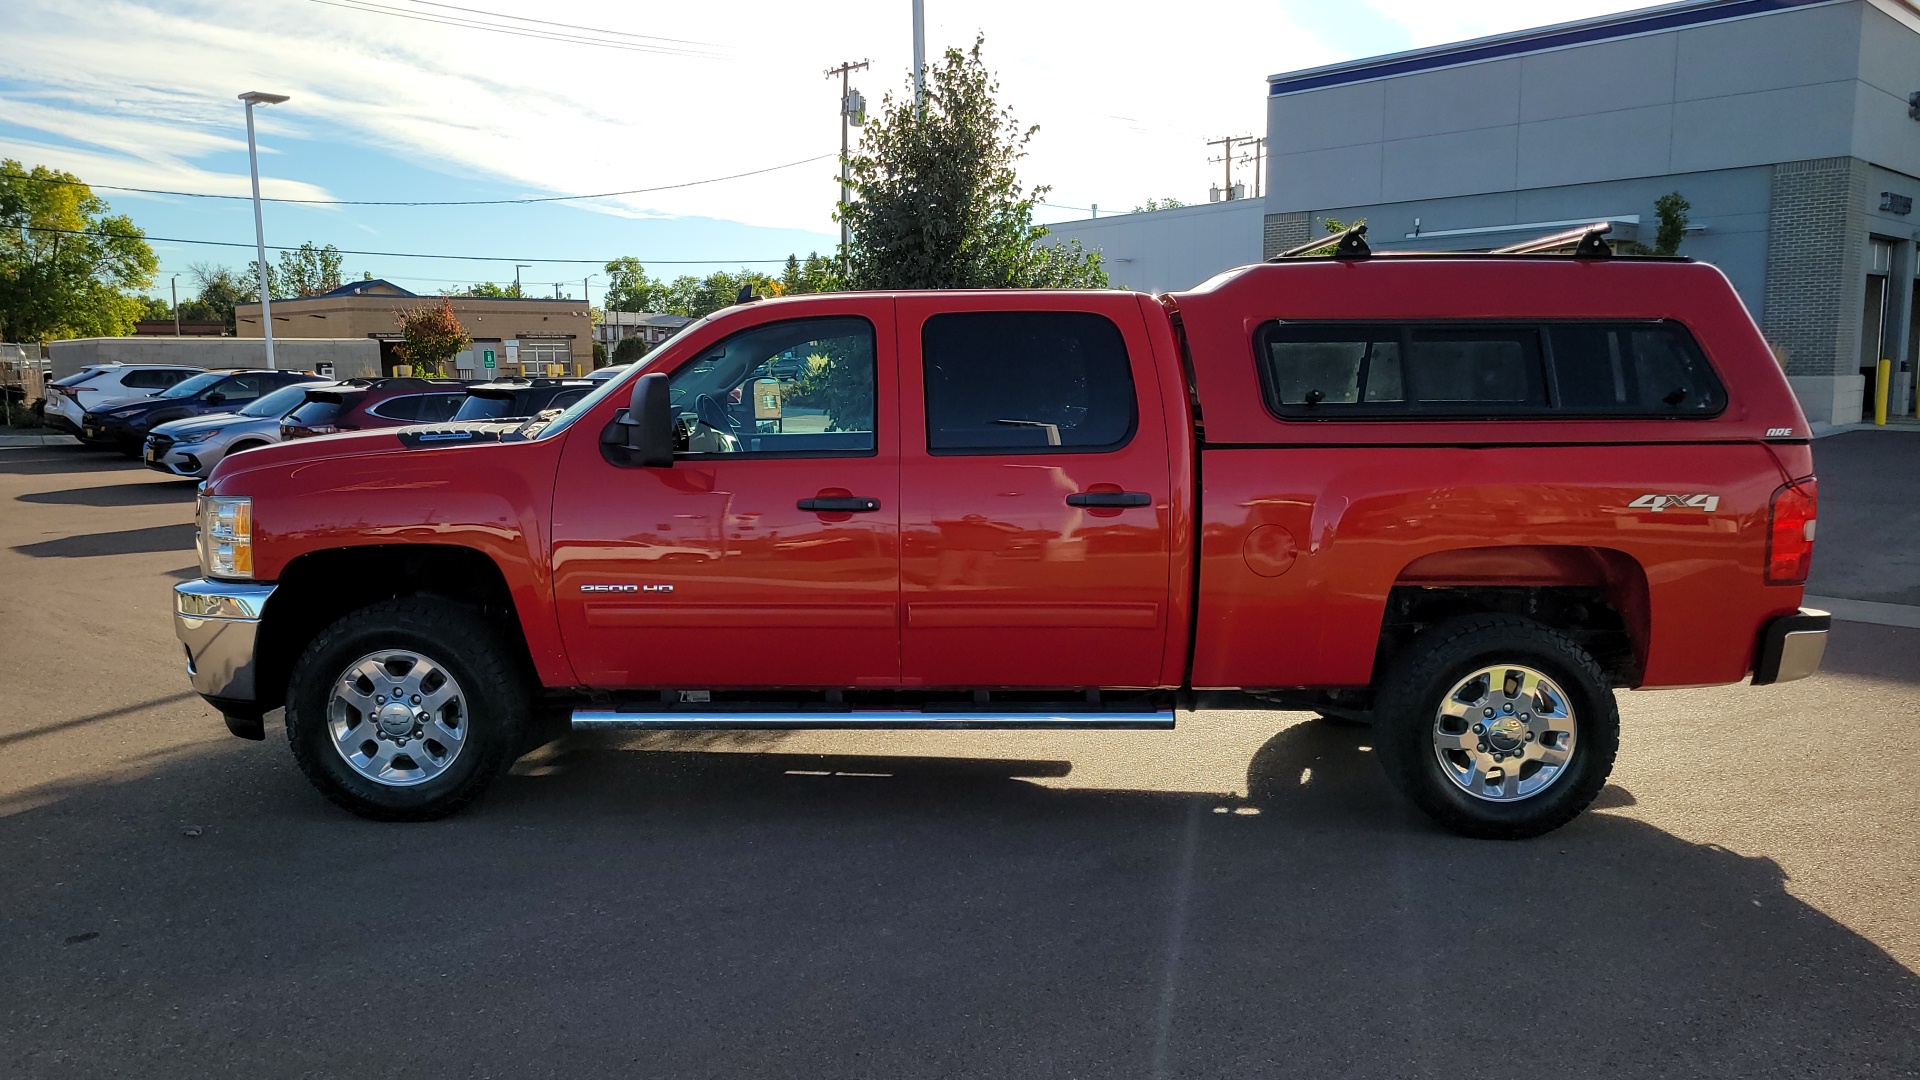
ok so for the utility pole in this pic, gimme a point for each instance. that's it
(1259, 153)
(1226, 156)
(852, 114)
(517, 267)
(919, 57)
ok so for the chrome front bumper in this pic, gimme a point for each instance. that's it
(218, 621)
(1791, 647)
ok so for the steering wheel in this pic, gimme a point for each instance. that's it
(708, 410)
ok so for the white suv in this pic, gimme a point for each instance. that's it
(98, 386)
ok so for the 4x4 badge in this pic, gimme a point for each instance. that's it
(1660, 503)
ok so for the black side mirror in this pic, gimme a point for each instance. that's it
(641, 435)
(215, 399)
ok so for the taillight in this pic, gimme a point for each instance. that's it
(1790, 521)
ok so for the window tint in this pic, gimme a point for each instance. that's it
(566, 398)
(150, 379)
(314, 413)
(486, 407)
(1026, 381)
(1323, 371)
(1652, 369)
(187, 388)
(801, 387)
(276, 404)
(437, 408)
(398, 408)
(239, 389)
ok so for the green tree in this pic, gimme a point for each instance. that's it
(1158, 204)
(938, 203)
(68, 268)
(817, 274)
(490, 290)
(1671, 210)
(430, 336)
(630, 287)
(154, 309)
(305, 271)
(630, 350)
(220, 290)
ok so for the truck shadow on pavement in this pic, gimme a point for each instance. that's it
(152, 493)
(30, 461)
(741, 914)
(125, 542)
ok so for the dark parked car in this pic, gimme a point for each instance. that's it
(359, 404)
(124, 427)
(521, 399)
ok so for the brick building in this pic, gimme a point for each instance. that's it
(524, 336)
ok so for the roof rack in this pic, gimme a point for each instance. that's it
(1587, 241)
(1349, 243)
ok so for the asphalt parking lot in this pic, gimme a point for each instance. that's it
(1243, 896)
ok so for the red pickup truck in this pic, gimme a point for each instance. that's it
(1464, 498)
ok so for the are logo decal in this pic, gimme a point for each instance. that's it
(1779, 432)
(1661, 503)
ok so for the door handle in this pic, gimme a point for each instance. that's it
(850, 504)
(1109, 500)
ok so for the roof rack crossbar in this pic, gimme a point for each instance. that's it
(1587, 241)
(1349, 243)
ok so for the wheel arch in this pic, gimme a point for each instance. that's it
(319, 587)
(1598, 596)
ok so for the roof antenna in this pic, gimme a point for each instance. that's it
(746, 295)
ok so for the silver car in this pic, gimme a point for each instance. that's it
(192, 447)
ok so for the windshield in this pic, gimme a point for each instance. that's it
(279, 403)
(190, 387)
(539, 428)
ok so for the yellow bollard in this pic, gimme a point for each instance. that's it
(1883, 385)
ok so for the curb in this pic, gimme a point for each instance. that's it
(50, 439)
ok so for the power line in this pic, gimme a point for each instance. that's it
(567, 26)
(408, 254)
(422, 202)
(525, 32)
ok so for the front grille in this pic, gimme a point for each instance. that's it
(160, 444)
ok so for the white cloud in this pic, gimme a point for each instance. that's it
(1125, 95)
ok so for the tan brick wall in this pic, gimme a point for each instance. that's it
(379, 316)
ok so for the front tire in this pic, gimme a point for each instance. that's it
(1497, 727)
(406, 710)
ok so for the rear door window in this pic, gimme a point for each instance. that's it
(1005, 382)
(314, 414)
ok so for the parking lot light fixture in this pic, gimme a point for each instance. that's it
(252, 98)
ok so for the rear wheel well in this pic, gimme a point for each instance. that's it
(320, 587)
(1585, 613)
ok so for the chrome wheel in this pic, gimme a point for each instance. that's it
(397, 717)
(1504, 733)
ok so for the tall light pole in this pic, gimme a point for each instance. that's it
(919, 55)
(252, 98)
(175, 285)
(517, 267)
(853, 112)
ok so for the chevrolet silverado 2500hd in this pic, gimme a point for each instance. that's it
(1465, 498)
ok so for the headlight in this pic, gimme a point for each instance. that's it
(194, 438)
(226, 536)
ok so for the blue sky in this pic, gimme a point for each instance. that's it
(389, 107)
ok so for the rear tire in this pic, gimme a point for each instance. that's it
(430, 748)
(1496, 726)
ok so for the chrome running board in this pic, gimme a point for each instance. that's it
(877, 719)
